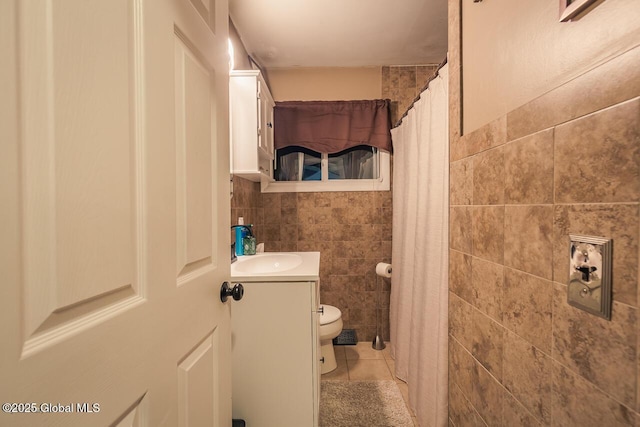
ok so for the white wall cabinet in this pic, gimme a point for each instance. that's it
(276, 353)
(251, 119)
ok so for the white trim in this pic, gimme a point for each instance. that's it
(383, 183)
(324, 167)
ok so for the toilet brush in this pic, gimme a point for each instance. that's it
(378, 342)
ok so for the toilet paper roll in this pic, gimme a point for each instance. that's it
(383, 269)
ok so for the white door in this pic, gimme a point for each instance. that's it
(114, 213)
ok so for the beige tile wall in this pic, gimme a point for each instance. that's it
(352, 230)
(567, 162)
(247, 203)
(401, 84)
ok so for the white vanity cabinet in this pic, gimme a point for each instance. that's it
(251, 125)
(275, 354)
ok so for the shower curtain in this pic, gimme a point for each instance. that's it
(420, 250)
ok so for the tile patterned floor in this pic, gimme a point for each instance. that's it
(362, 362)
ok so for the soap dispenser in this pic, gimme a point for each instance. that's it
(239, 236)
(248, 241)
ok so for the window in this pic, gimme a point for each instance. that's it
(360, 168)
(297, 164)
(331, 146)
(354, 163)
(302, 164)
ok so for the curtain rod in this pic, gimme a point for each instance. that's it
(417, 98)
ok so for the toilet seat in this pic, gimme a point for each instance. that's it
(330, 314)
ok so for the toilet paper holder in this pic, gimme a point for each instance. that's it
(383, 270)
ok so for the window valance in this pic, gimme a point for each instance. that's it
(332, 126)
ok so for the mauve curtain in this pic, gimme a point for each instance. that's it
(332, 126)
(420, 250)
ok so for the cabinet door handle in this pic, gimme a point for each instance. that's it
(322, 359)
(321, 309)
(269, 124)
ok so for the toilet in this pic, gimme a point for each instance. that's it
(330, 327)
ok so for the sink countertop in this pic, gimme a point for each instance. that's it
(309, 269)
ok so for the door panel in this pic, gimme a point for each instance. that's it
(194, 157)
(116, 127)
(134, 416)
(207, 10)
(196, 391)
(80, 204)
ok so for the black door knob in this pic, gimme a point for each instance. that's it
(236, 292)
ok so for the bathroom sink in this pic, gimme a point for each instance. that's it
(268, 263)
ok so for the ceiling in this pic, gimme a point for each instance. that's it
(342, 33)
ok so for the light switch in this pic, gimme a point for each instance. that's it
(589, 285)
